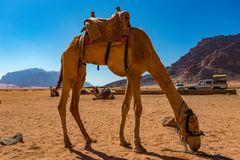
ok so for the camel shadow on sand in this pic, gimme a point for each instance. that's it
(202, 154)
(101, 155)
(164, 157)
(104, 156)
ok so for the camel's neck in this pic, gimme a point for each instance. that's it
(180, 112)
(178, 105)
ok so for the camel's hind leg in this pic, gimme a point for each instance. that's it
(135, 86)
(75, 101)
(125, 109)
(62, 112)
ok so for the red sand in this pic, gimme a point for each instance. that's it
(35, 115)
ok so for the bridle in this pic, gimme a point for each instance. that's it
(189, 113)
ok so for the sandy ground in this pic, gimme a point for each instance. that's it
(35, 115)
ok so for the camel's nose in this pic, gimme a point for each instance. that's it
(195, 148)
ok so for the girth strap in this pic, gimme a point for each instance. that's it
(107, 52)
(126, 56)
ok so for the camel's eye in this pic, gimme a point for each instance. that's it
(193, 118)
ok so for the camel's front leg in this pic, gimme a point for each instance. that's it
(125, 109)
(135, 85)
(75, 101)
(62, 113)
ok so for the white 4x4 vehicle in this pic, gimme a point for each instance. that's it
(218, 82)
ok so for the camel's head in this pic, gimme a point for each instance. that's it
(94, 91)
(189, 131)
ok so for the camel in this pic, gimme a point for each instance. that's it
(84, 92)
(141, 57)
(53, 92)
(102, 94)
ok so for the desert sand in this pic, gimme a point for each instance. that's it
(35, 115)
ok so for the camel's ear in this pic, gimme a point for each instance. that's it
(169, 122)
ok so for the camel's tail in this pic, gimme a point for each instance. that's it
(60, 78)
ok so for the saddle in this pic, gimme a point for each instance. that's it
(107, 29)
(111, 31)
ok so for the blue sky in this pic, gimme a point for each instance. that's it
(34, 33)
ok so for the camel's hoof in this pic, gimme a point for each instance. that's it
(88, 144)
(140, 149)
(125, 144)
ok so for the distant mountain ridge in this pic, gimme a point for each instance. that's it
(144, 81)
(213, 55)
(33, 77)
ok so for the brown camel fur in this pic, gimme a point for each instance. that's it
(141, 58)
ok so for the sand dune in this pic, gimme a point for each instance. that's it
(35, 115)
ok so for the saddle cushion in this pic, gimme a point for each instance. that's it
(110, 29)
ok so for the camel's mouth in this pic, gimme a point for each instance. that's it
(192, 143)
(194, 148)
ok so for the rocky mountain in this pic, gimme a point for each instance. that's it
(213, 55)
(87, 84)
(33, 77)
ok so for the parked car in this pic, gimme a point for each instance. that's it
(180, 86)
(220, 81)
(217, 82)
